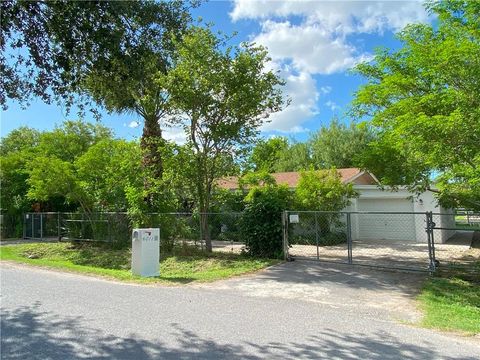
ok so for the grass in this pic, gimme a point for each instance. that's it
(186, 266)
(451, 300)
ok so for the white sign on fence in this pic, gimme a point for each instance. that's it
(293, 218)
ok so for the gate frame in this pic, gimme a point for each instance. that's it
(429, 229)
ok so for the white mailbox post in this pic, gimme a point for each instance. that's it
(145, 252)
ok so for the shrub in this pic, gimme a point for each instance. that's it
(323, 190)
(333, 238)
(261, 223)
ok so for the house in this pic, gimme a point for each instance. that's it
(400, 215)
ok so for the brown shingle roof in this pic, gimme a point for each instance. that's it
(291, 178)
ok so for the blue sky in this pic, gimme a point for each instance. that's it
(313, 44)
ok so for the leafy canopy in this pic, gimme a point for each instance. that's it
(339, 145)
(49, 48)
(424, 102)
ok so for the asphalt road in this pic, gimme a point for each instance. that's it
(52, 315)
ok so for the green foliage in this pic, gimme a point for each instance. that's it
(16, 150)
(261, 224)
(228, 201)
(261, 178)
(266, 154)
(50, 176)
(424, 101)
(106, 170)
(323, 190)
(56, 45)
(54, 168)
(225, 94)
(19, 140)
(296, 158)
(336, 145)
(77, 163)
(71, 140)
(339, 145)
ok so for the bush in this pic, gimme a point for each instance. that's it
(261, 223)
(333, 238)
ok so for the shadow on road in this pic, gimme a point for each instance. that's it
(353, 277)
(29, 333)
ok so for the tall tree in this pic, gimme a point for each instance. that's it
(111, 51)
(225, 94)
(135, 83)
(339, 145)
(424, 101)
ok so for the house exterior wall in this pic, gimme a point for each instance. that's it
(444, 218)
(407, 227)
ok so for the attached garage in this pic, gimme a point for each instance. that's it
(385, 226)
(407, 225)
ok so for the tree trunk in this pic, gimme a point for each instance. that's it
(206, 231)
(152, 161)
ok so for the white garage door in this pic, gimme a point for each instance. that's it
(386, 226)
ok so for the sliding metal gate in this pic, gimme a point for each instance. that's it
(396, 240)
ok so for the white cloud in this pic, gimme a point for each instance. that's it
(302, 91)
(133, 124)
(175, 134)
(337, 16)
(332, 105)
(325, 89)
(308, 38)
(309, 48)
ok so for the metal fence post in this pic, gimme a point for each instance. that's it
(41, 226)
(201, 230)
(24, 226)
(349, 239)
(58, 227)
(285, 234)
(431, 244)
(429, 241)
(109, 230)
(432, 227)
(316, 235)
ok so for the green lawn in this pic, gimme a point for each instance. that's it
(187, 265)
(452, 301)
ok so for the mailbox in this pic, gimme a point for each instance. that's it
(146, 252)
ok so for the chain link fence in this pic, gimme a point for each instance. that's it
(392, 240)
(318, 235)
(396, 240)
(456, 239)
(11, 226)
(177, 229)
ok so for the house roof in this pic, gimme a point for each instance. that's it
(348, 175)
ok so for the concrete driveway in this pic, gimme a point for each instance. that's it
(356, 289)
(53, 315)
